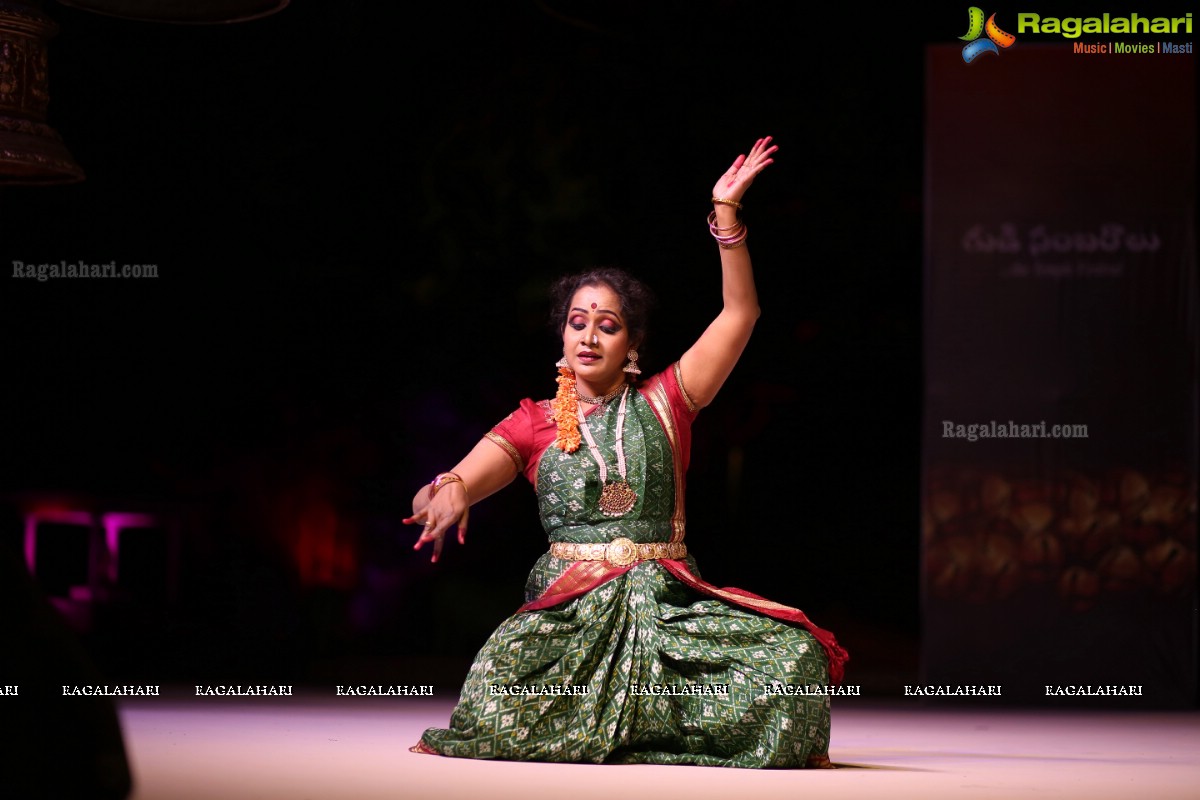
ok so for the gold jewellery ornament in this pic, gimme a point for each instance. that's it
(441, 480)
(616, 497)
(632, 367)
(620, 552)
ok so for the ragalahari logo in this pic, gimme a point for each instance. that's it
(976, 27)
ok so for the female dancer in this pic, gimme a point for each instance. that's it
(621, 653)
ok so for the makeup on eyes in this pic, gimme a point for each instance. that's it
(610, 327)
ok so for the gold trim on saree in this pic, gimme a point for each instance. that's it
(656, 395)
(679, 382)
(754, 602)
(507, 447)
(620, 552)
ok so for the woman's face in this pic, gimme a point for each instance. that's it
(595, 340)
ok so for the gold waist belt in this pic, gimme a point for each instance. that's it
(619, 552)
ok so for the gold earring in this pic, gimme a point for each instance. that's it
(632, 367)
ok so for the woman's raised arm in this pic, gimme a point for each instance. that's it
(708, 362)
(486, 470)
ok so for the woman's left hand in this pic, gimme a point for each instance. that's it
(737, 179)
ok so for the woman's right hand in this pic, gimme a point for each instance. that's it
(449, 507)
(745, 168)
(486, 469)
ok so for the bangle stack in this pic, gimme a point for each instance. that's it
(728, 237)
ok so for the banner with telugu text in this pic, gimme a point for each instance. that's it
(1060, 416)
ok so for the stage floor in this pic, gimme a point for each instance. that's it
(297, 748)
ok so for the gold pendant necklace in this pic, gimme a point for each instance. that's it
(616, 497)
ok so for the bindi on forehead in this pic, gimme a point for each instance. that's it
(596, 300)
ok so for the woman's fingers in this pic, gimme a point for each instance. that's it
(462, 526)
(419, 518)
(746, 166)
(427, 525)
(434, 530)
(759, 167)
(762, 149)
(764, 158)
(758, 160)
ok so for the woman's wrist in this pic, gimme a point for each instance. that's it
(726, 215)
(729, 233)
(444, 479)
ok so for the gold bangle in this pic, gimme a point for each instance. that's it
(442, 479)
(725, 202)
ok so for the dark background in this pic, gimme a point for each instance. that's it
(355, 214)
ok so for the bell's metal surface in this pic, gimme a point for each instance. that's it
(31, 152)
(193, 12)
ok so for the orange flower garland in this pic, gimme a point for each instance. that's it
(564, 410)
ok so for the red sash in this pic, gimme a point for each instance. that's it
(584, 576)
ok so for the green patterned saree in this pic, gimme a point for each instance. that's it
(641, 663)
